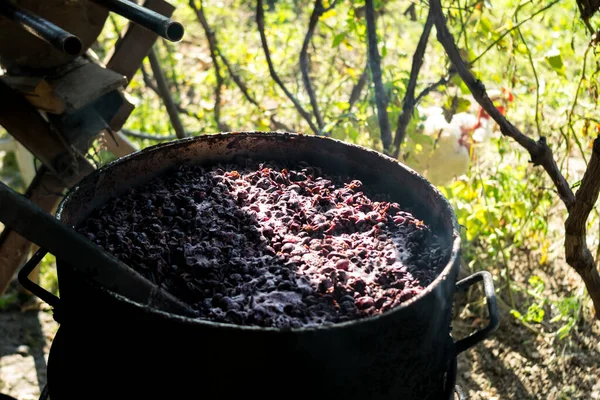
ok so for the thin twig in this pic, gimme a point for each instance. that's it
(572, 110)
(463, 26)
(280, 125)
(260, 21)
(408, 104)
(442, 81)
(495, 42)
(537, 83)
(246, 92)
(148, 136)
(152, 86)
(210, 37)
(317, 12)
(375, 66)
(237, 79)
(173, 66)
(354, 97)
(358, 87)
(163, 90)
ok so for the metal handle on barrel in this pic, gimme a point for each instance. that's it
(37, 290)
(490, 295)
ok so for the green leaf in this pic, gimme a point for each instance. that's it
(516, 314)
(485, 25)
(327, 128)
(520, 209)
(459, 82)
(535, 313)
(537, 283)
(555, 60)
(462, 105)
(563, 332)
(353, 134)
(339, 38)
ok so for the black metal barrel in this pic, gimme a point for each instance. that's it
(110, 347)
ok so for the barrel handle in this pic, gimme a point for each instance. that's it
(34, 288)
(458, 392)
(490, 295)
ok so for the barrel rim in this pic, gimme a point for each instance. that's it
(446, 272)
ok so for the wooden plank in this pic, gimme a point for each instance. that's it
(85, 84)
(120, 117)
(130, 51)
(82, 126)
(25, 124)
(119, 145)
(45, 191)
(26, 163)
(37, 91)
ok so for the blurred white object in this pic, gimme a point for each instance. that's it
(447, 150)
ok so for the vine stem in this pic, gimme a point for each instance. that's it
(260, 22)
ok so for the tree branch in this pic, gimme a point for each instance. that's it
(375, 66)
(318, 11)
(279, 125)
(238, 80)
(212, 45)
(152, 86)
(586, 13)
(148, 136)
(539, 151)
(165, 95)
(358, 87)
(260, 21)
(579, 206)
(408, 103)
(577, 253)
(442, 81)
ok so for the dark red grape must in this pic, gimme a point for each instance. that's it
(268, 244)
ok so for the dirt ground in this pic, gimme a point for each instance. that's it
(25, 339)
(519, 364)
(515, 363)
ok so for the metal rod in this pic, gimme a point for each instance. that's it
(26, 218)
(157, 23)
(43, 29)
(165, 94)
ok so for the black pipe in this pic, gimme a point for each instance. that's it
(157, 23)
(43, 29)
